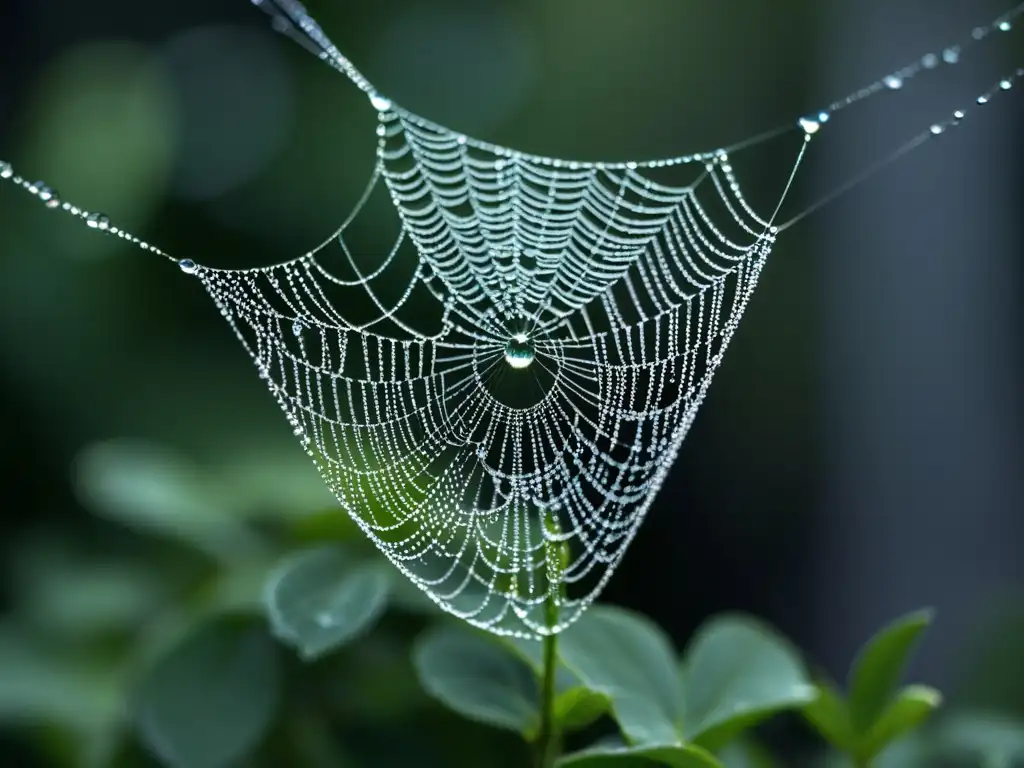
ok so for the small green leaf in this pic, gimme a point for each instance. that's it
(478, 678)
(579, 707)
(150, 489)
(618, 755)
(880, 665)
(75, 598)
(909, 709)
(829, 715)
(738, 671)
(209, 702)
(627, 658)
(317, 600)
(41, 688)
(996, 739)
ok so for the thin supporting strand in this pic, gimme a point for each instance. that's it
(94, 220)
(934, 131)
(292, 18)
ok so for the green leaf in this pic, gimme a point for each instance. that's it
(909, 709)
(478, 678)
(578, 707)
(828, 713)
(996, 739)
(40, 688)
(209, 702)
(627, 658)
(880, 665)
(618, 755)
(738, 671)
(317, 600)
(150, 489)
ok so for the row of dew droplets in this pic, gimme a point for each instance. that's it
(98, 221)
(895, 81)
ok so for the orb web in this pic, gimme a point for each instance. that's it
(522, 378)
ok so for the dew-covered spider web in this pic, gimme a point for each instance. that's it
(496, 394)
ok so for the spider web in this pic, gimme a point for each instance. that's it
(497, 396)
(578, 314)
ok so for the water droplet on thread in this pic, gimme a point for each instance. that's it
(894, 82)
(982, 100)
(298, 328)
(1006, 84)
(98, 221)
(1005, 26)
(380, 103)
(6, 171)
(929, 61)
(937, 129)
(810, 125)
(48, 196)
(519, 351)
(951, 55)
(188, 266)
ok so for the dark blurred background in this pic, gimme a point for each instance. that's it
(859, 454)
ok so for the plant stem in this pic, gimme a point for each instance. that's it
(548, 738)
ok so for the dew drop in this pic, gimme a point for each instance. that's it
(324, 620)
(298, 328)
(929, 61)
(380, 103)
(893, 82)
(937, 129)
(1005, 26)
(188, 266)
(983, 99)
(6, 171)
(98, 221)
(519, 351)
(1006, 84)
(951, 55)
(381, 129)
(810, 125)
(47, 195)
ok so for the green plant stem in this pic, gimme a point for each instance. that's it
(548, 738)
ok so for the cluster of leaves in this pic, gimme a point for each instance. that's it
(687, 712)
(272, 639)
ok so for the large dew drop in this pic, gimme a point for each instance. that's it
(519, 351)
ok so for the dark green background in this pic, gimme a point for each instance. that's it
(194, 126)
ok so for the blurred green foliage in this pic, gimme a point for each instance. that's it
(239, 637)
(216, 610)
